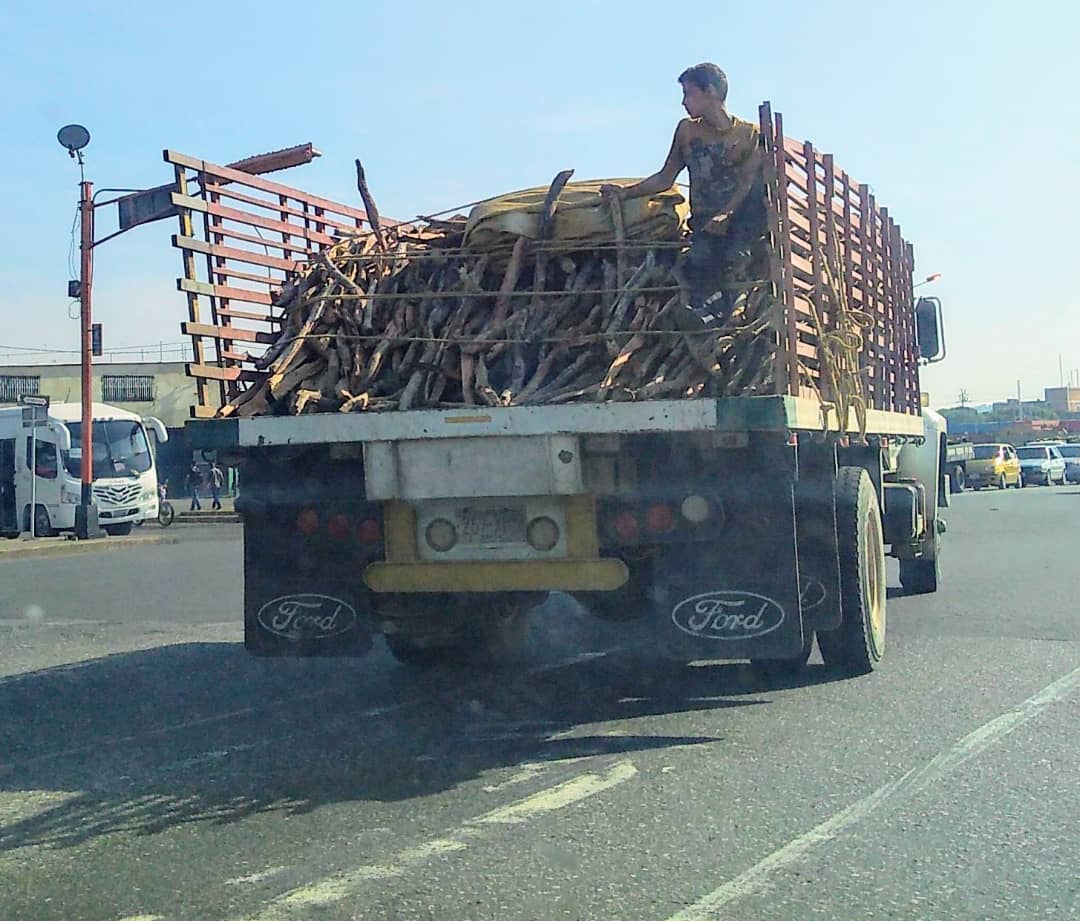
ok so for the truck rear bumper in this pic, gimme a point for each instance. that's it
(503, 576)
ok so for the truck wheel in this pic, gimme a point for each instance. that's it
(957, 479)
(778, 668)
(921, 576)
(118, 530)
(1002, 483)
(1020, 480)
(496, 638)
(858, 644)
(42, 523)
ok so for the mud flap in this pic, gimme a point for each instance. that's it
(739, 597)
(301, 599)
(815, 517)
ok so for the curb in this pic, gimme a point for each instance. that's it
(61, 547)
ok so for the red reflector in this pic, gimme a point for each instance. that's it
(626, 526)
(369, 532)
(660, 518)
(338, 527)
(307, 522)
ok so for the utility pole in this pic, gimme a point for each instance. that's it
(74, 138)
(86, 519)
(964, 399)
(1019, 404)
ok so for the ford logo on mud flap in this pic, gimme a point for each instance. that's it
(307, 617)
(812, 592)
(727, 615)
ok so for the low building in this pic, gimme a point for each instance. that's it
(1064, 399)
(160, 389)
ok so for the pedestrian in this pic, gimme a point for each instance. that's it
(193, 481)
(728, 222)
(217, 480)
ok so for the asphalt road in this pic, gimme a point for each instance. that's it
(149, 769)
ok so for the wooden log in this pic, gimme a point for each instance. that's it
(369, 205)
(282, 384)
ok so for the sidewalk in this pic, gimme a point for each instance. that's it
(206, 515)
(25, 546)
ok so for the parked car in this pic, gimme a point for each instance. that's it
(1071, 453)
(994, 465)
(1042, 464)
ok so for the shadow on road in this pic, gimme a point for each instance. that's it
(199, 733)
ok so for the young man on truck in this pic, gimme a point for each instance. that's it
(725, 157)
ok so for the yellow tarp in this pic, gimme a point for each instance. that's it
(581, 216)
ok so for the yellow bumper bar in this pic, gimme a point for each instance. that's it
(501, 576)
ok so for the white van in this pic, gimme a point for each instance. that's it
(124, 469)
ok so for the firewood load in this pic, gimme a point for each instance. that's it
(565, 296)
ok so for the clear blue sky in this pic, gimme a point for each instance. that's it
(961, 115)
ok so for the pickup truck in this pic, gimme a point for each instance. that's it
(739, 527)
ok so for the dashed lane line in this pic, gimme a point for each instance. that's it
(760, 876)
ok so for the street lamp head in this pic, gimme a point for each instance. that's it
(73, 137)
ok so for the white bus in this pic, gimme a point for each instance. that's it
(124, 469)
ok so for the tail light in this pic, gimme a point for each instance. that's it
(338, 527)
(369, 531)
(695, 509)
(307, 522)
(660, 518)
(626, 526)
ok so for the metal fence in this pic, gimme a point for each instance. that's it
(13, 386)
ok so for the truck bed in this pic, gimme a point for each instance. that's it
(830, 244)
(730, 414)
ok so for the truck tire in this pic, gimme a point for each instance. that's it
(1003, 483)
(858, 644)
(42, 522)
(921, 576)
(957, 479)
(497, 638)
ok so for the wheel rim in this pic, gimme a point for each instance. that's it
(875, 581)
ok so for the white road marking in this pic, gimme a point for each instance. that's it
(559, 797)
(915, 781)
(527, 773)
(337, 888)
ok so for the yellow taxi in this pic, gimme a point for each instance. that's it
(994, 465)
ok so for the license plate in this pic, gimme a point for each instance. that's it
(491, 525)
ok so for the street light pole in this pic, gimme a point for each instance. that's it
(74, 138)
(86, 519)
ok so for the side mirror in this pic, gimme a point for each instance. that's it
(929, 329)
(158, 428)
